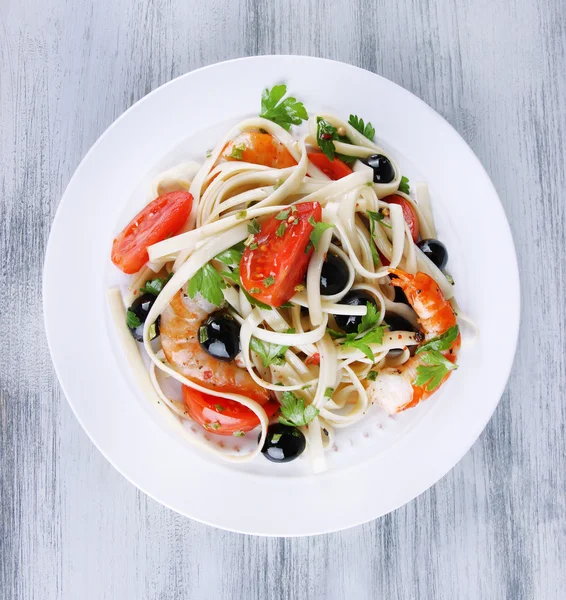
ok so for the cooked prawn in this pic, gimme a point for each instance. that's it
(393, 388)
(260, 149)
(179, 327)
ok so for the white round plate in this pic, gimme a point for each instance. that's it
(376, 467)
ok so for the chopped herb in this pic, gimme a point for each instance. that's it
(295, 221)
(294, 412)
(449, 278)
(253, 246)
(293, 209)
(203, 334)
(328, 392)
(308, 248)
(372, 375)
(319, 229)
(219, 407)
(285, 113)
(367, 130)
(404, 185)
(241, 215)
(238, 433)
(442, 342)
(152, 331)
(432, 375)
(270, 354)
(269, 281)
(299, 288)
(281, 230)
(253, 226)
(237, 151)
(255, 290)
(154, 286)
(208, 153)
(283, 215)
(207, 282)
(278, 184)
(306, 387)
(215, 425)
(276, 437)
(132, 320)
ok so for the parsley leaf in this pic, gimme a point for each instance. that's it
(270, 354)
(432, 375)
(404, 185)
(253, 300)
(442, 342)
(285, 113)
(370, 319)
(375, 218)
(269, 281)
(328, 392)
(319, 229)
(154, 286)
(208, 282)
(325, 133)
(132, 320)
(280, 232)
(232, 256)
(294, 411)
(334, 334)
(366, 130)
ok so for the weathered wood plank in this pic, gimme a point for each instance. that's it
(70, 526)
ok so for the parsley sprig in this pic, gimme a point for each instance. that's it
(326, 134)
(437, 366)
(368, 332)
(283, 112)
(366, 129)
(270, 354)
(374, 219)
(294, 412)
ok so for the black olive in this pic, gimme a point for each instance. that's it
(383, 171)
(219, 335)
(140, 308)
(283, 443)
(435, 250)
(349, 323)
(334, 275)
(397, 323)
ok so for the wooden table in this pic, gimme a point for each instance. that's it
(70, 526)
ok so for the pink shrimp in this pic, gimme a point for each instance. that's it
(179, 327)
(394, 388)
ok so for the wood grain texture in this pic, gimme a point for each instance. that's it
(72, 527)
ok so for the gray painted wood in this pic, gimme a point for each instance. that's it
(70, 526)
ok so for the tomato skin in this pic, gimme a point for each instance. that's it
(409, 214)
(221, 416)
(313, 359)
(260, 149)
(335, 169)
(161, 218)
(281, 257)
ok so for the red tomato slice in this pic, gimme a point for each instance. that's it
(271, 271)
(335, 169)
(157, 221)
(222, 416)
(408, 213)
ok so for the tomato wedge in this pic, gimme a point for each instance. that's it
(279, 259)
(260, 149)
(157, 221)
(335, 169)
(408, 213)
(222, 416)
